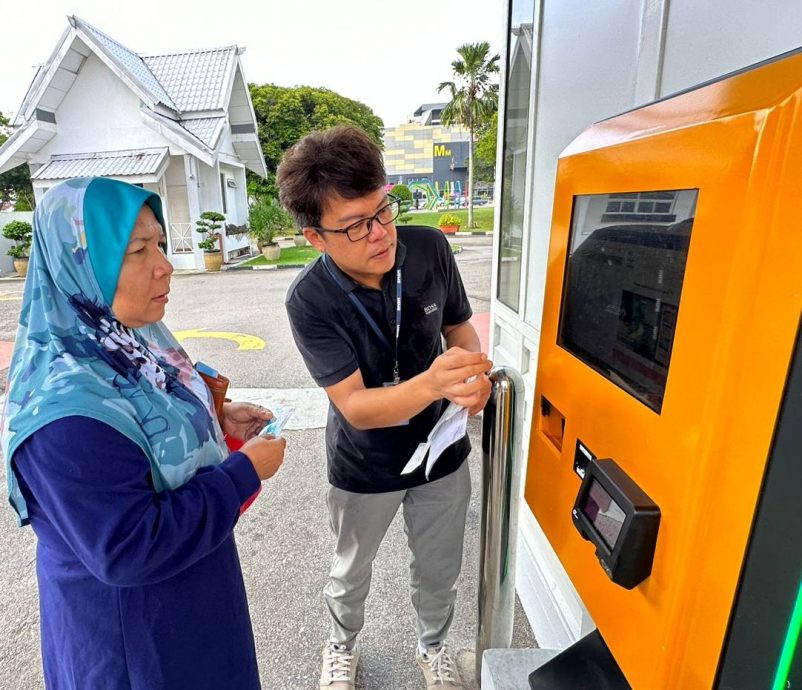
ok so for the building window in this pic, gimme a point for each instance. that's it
(642, 207)
(223, 192)
(516, 135)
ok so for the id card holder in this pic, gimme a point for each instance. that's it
(390, 384)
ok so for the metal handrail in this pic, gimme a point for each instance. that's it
(502, 431)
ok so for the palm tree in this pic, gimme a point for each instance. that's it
(474, 98)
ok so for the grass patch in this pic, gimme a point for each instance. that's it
(300, 256)
(482, 216)
(290, 256)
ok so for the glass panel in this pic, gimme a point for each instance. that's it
(622, 290)
(604, 514)
(516, 131)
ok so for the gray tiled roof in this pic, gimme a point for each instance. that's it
(204, 128)
(196, 80)
(106, 164)
(131, 62)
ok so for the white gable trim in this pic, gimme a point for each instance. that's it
(202, 114)
(233, 64)
(258, 166)
(67, 43)
(10, 152)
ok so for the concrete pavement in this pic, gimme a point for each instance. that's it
(284, 538)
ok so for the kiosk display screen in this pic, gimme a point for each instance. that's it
(604, 514)
(624, 273)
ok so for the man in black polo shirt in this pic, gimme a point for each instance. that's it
(369, 318)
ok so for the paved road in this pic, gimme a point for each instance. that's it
(284, 539)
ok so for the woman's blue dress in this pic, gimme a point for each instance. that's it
(138, 590)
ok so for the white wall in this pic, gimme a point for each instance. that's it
(592, 61)
(705, 40)
(236, 208)
(99, 113)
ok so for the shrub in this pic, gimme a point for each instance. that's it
(232, 229)
(208, 225)
(267, 219)
(449, 219)
(21, 232)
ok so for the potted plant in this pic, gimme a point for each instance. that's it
(449, 223)
(300, 239)
(267, 220)
(209, 225)
(21, 232)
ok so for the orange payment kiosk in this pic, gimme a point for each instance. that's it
(665, 462)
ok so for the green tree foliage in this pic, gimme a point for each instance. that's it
(486, 150)
(15, 183)
(474, 97)
(286, 114)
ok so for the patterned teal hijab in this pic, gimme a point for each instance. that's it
(72, 356)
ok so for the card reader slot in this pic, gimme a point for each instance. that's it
(551, 423)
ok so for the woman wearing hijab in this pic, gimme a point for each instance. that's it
(114, 456)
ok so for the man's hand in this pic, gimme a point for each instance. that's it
(460, 376)
(266, 453)
(481, 396)
(244, 420)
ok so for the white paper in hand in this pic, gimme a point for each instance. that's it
(417, 459)
(450, 428)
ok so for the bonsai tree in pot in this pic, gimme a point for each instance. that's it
(21, 232)
(267, 220)
(209, 225)
(449, 223)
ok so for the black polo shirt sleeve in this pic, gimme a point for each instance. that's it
(326, 350)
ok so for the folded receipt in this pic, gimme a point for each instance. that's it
(450, 428)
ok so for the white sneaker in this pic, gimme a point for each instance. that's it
(339, 667)
(439, 669)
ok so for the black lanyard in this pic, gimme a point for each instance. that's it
(373, 325)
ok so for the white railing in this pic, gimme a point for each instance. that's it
(181, 238)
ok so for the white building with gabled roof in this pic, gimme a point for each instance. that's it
(181, 124)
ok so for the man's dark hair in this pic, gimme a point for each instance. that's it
(342, 161)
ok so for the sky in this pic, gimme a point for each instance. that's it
(391, 56)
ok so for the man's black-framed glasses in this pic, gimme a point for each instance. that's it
(361, 228)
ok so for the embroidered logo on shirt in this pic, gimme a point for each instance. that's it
(430, 309)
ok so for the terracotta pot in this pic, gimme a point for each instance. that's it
(21, 267)
(271, 252)
(213, 261)
(449, 229)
